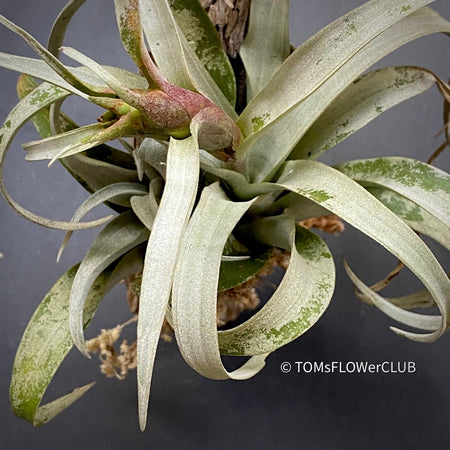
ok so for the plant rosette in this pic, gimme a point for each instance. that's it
(217, 182)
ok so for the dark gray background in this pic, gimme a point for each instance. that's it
(273, 410)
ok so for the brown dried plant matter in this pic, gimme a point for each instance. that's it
(114, 364)
(329, 224)
(230, 19)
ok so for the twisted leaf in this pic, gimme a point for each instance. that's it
(44, 345)
(118, 237)
(364, 100)
(38, 99)
(425, 185)
(162, 253)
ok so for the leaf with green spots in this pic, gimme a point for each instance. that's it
(174, 56)
(44, 345)
(415, 216)
(197, 276)
(361, 103)
(300, 299)
(264, 151)
(425, 185)
(129, 22)
(201, 35)
(299, 75)
(355, 205)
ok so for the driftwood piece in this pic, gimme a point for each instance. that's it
(230, 18)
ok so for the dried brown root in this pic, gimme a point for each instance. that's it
(437, 152)
(329, 224)
(381, 284)
(114, 364)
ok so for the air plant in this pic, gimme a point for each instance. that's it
(204, 195)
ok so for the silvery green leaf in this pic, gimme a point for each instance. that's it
(38, 99)
(415, 216)
(39, 69)
(266, 44)
(161, 32)
(260, 164)
(52, 60)
(129, 22)
(95, 173)
(201, 35)
(48, 147)
(419, 299)
(25, 85)
(339, 194)
(154, 153)
(411, 319)
(123, 91)
(196, 278)
(316, 60)
(119, 193)
(425, 185)
(162, 252)
(117, 238)
(141, 207)
(364, 100)
(174, 56)
(44, 345)
(300, 299)
(59, 28)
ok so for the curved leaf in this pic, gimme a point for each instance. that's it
(194, 292)
(52, 61)
(118, 193)
(355, 205)
(174, 56)
(266, 44)
(342, 196)
(364, 100)
(316, 60)
(412, 319)
(59, 28)
(39, 98)
(261, 164)
(44, 345)
(425, 185)
(415, 216)
(201, 35)
(162, 251)
(300, 299)
(117, 238)
(129, 21)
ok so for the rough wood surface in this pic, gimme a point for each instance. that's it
(230, 18)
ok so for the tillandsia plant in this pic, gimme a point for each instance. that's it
(219, 179)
